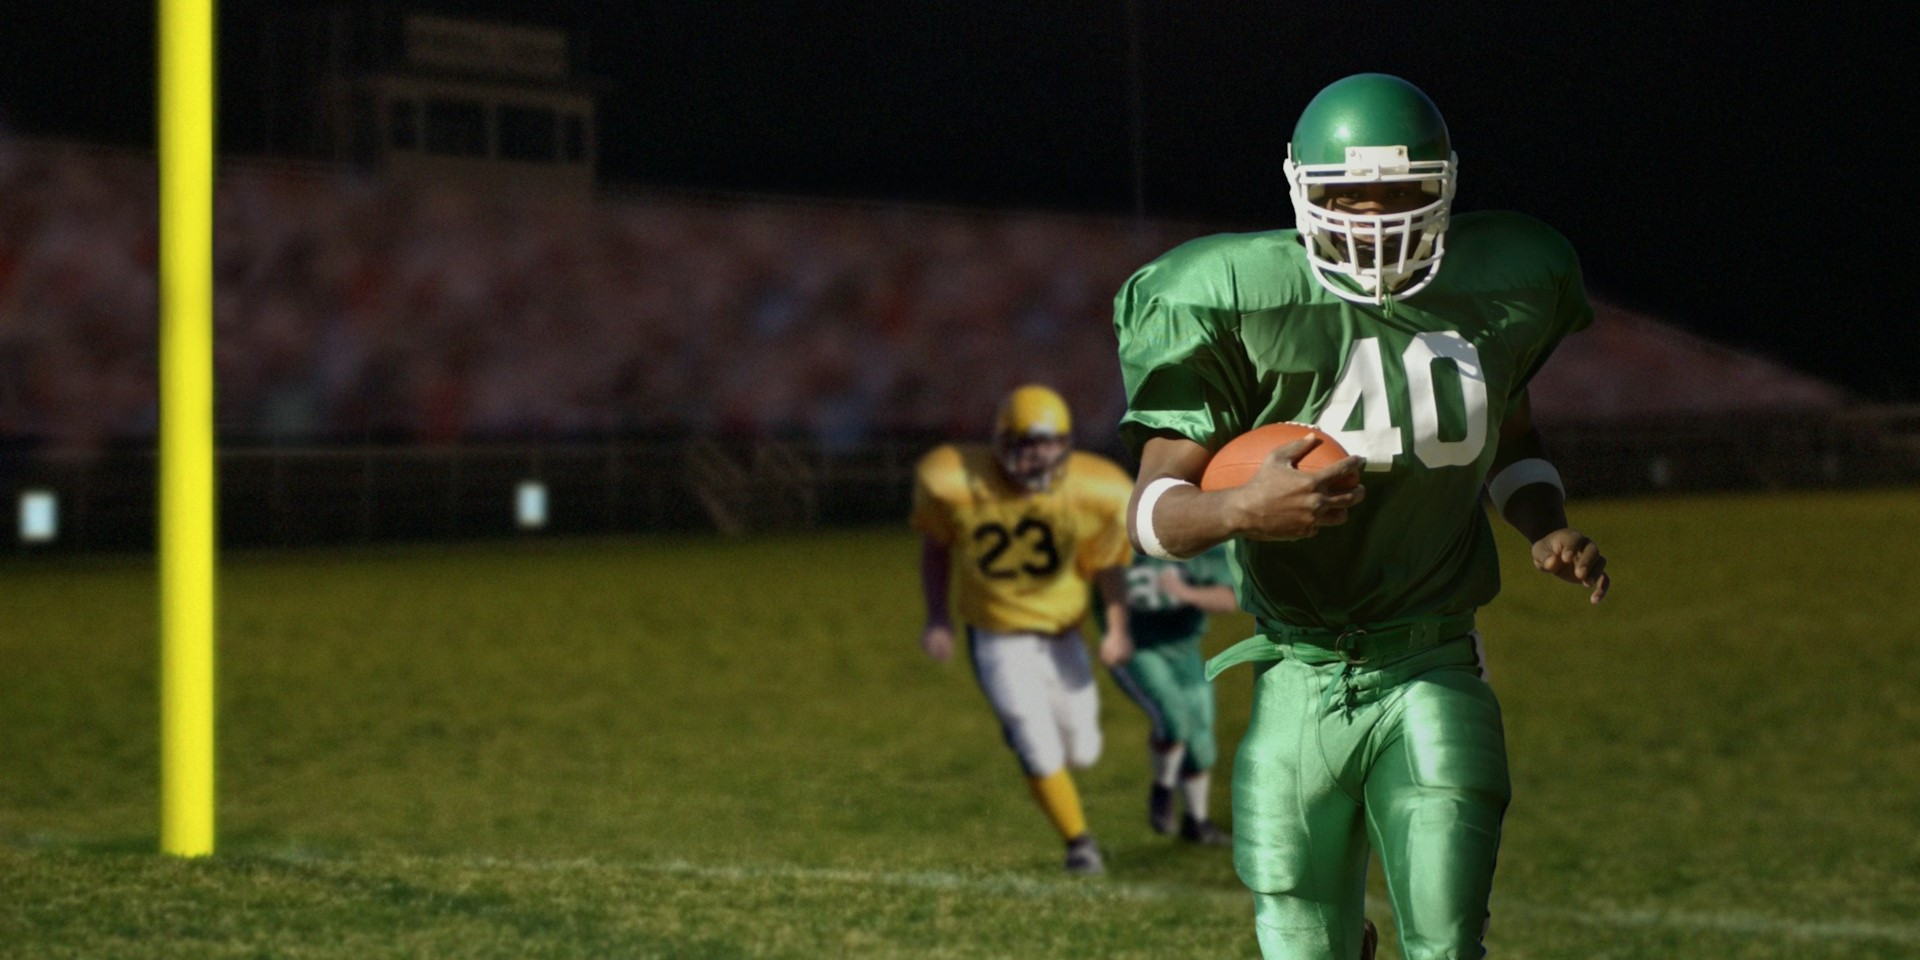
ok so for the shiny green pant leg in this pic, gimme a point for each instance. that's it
(1436, 791)
(1422, 746)
(1299, 837)
(1169, 682)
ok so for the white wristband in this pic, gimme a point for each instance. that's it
(1522, 473)
(1143, 517)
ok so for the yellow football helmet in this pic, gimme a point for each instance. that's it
(1032, 435)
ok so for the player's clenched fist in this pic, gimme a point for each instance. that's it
(1282, 502)
(937, 641)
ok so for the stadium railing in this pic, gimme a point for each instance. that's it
(297, 495)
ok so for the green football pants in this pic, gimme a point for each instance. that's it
(1169, 682)
(1407, 758)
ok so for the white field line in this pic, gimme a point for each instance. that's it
(982, 883)
(1739, 923)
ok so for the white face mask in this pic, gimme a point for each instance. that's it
(1377, 254)
(1029, 463)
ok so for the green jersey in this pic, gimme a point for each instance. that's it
(1231, 332)
(1154, 617)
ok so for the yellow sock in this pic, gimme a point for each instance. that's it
(1061, 801)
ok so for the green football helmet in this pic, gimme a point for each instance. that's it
(1371, 128)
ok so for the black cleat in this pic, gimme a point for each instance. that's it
(1083, 856)
(1160, 809)
(1369, 939)
(1204, 833)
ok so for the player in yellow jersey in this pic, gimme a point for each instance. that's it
(1017, 531)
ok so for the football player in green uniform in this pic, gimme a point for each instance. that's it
(1408, 334)
(1167, 608)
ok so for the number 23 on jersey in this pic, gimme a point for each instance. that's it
(1027, 548)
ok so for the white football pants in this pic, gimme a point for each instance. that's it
(1041, 686)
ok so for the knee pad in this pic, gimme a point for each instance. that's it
(1083, 747)
(1037, 746)
(1295, 927)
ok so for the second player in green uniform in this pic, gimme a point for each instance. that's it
(1168, 604)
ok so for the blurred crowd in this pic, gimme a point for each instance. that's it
(351, 309)
(348, 309)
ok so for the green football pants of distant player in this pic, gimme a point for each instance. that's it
(1169, 682)
(1408, 758)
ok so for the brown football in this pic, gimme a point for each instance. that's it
(1236, 462)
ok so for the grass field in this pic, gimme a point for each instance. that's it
(700, 748)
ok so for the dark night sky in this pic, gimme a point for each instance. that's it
(1742, 175)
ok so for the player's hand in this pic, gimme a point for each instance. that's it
(1116, 648)
(937, 641)
(1174, 585)
(1281, 502)
(1574, 557)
